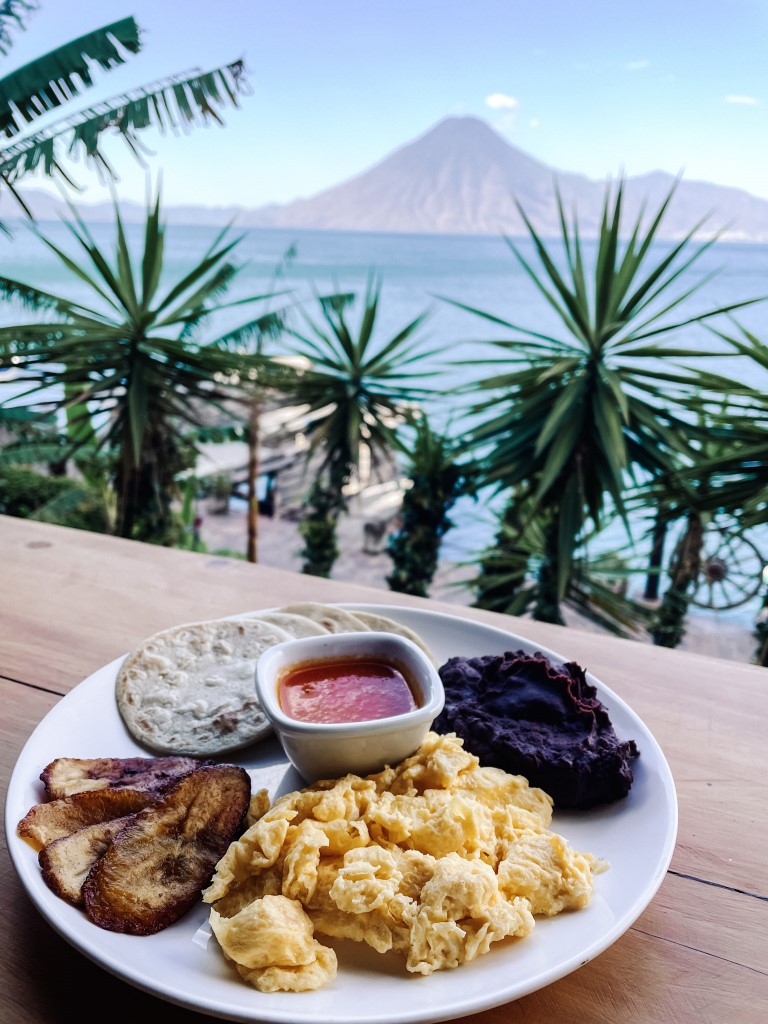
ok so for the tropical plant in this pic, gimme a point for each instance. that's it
(722, 482)
(437, 480)
(136, 362)
(190, 539)
(598, 591)
(58, 499)
(512, 567)
(739, 474)
(355, 392)
(736, 469)
(28, 439)
(504, 582)
(569, 419)
(317, 528)
(54, 80)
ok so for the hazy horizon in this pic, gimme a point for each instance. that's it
(597, 90)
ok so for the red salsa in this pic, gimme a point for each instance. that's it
(348, 690)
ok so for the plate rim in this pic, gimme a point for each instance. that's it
(45, 905)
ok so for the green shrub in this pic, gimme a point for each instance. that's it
(57, 499)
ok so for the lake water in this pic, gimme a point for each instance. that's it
(417, 273)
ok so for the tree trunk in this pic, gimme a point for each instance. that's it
(653, 578)
(254, 414)
(687, 565)
(761, 633)
(129, 498)
(145, 491)
(547, 607)
(668, 628)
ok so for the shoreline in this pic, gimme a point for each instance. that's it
(714, 635)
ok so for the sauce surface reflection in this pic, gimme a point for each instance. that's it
(345, 690)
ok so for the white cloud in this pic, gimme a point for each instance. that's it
(499, 101)
(534, 122)
(637, 65)
(745, 101)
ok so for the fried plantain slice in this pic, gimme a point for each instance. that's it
(68, 775)
(155, 868)
(65, 862)
(45, 822)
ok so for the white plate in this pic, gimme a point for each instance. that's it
(636, 835)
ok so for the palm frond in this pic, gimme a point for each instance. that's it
(356, 389)
(34, 299)
(337, 302)
(214, 263)
(575, 419)
(33, 454)
(131, 369)
(268, 326)
(178, 102)
(59, 76)
(13, 15)
(56, 509)
(152, 258)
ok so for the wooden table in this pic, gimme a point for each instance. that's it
(71, 602)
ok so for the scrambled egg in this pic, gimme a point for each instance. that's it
(435, 859)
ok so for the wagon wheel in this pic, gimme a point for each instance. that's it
(731, 568)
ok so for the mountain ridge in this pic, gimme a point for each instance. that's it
(462, 177)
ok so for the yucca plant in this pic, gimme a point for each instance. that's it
(508, 567)
(727, 477)
(599, 591)
(57, 78)
(438, 478)
(357, 391)
(569, 419)
(512, 567)
(136, 363)
(736, 468)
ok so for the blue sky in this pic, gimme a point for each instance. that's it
(595, 87)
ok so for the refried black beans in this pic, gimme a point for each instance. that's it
(528, 716)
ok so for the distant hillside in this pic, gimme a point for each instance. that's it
(458, 178)
(461, 177)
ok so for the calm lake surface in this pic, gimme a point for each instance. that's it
(418, 273)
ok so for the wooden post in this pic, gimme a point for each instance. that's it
(254, 414)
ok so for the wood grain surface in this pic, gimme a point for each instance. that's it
(72, 601)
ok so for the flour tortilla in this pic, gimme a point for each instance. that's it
(191, 689)
(383, 624)
(341, 620)
(295, 625)
(335, 620)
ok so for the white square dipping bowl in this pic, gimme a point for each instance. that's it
(327, 750)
